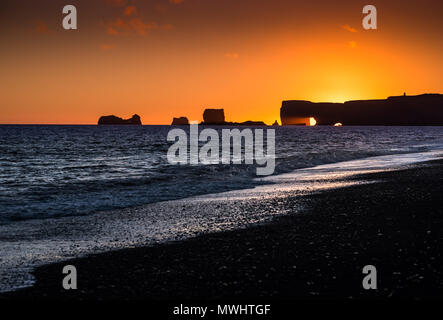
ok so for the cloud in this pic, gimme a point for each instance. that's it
(106, 46)
(168, 26)
(140, 27)
(130, 23)
(352, 44)
(116, 3)
(130, 10)
(349, 28)
(41, 27)
(134, 26)
(127, 27)
(233, 55)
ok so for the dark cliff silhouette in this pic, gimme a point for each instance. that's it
(214, 116)
(425, 110)
(182, 121)
(217, 117)
(246, 123)
(135, 120)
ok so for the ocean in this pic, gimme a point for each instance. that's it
(68, 191)
(52, 171)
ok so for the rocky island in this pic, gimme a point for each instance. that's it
(113, 120)
(182, 121)
(217, 117)
(214, 116)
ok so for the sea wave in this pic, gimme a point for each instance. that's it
(55, 171)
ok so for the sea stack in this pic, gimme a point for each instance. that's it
(214, 116)
(113, 120)
(182, 121)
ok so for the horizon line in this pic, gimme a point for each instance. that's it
(284, 100)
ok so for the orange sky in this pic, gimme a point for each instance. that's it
(165, 58)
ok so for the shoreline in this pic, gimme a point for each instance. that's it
(394, 223)
(32, 243)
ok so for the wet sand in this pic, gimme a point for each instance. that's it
(395, 224)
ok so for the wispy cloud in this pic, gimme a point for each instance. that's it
(130, 10)
(106, 46)
(132, 26)
(130, 23)
(349, 28)
(232, 55)
(116, 3)
(41, 27)
(167, 26)
(141, 27)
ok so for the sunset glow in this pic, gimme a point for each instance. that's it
(162, 58)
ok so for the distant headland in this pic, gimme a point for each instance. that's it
(420, 110)
(216, 117)
(113, 120)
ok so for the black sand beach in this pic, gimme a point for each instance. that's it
(395, 224)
